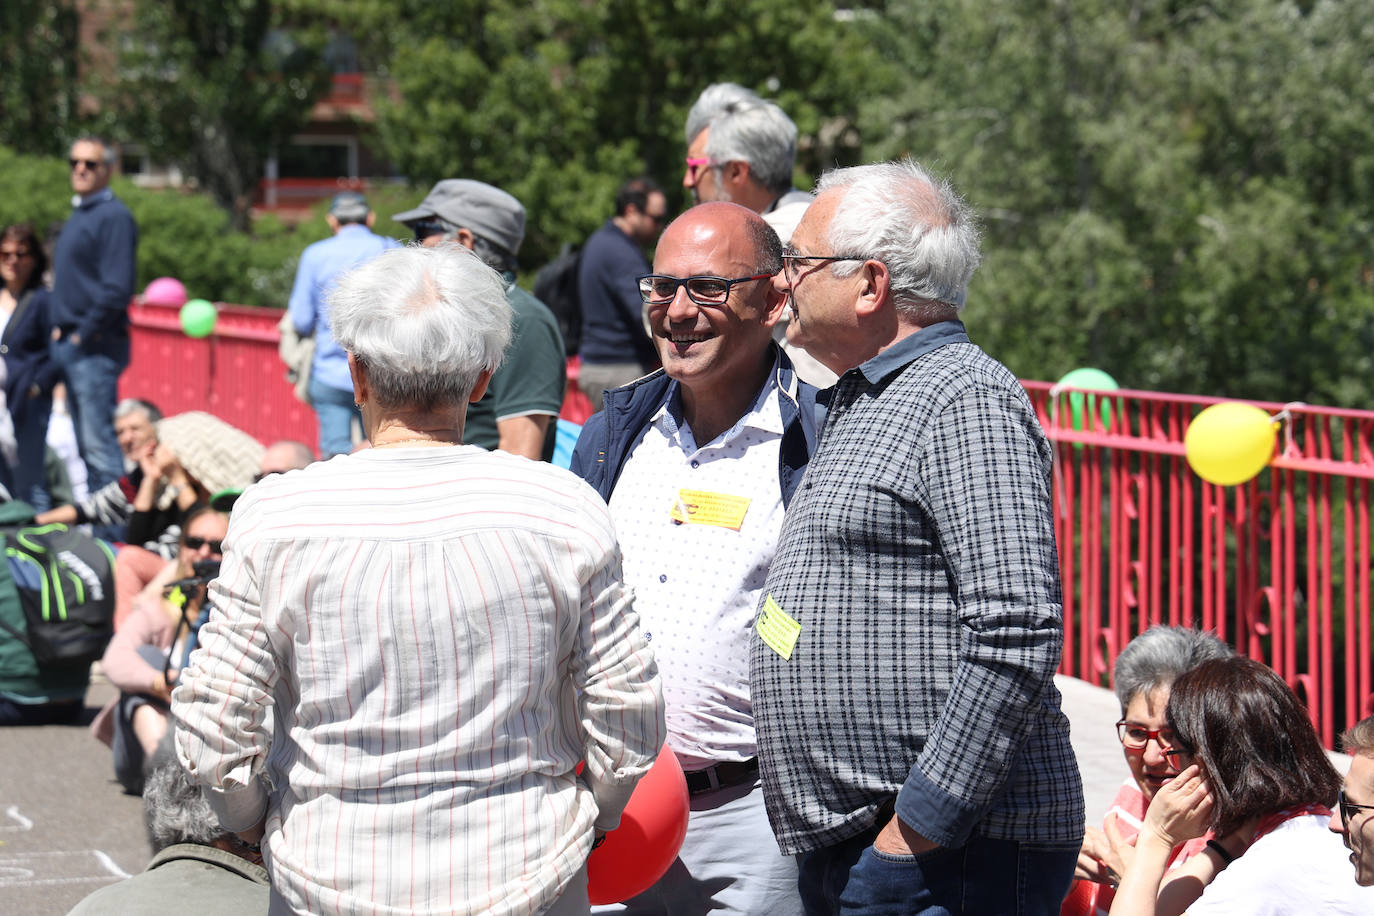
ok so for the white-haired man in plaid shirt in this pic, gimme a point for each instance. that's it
(913, 751)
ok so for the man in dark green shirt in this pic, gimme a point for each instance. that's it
(519, 410)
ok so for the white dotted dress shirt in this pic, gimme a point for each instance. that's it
(697, 586)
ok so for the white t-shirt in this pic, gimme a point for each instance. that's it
(1300, 868)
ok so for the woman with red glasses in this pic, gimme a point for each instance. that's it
(1254, 773)
(1144, 673)
(28, 373)
(146, 653)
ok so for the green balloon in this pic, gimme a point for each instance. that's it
(1092, 379)
(198, 318)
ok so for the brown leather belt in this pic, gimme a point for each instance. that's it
(722, 775)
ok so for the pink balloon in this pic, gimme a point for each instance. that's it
(165, 291)
(651, 831)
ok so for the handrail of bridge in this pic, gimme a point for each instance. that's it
(1278, 567)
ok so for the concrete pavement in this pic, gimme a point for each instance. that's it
(66, 828)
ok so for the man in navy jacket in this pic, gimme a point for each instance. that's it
(697, 462)
(614, 347)
(93, 281)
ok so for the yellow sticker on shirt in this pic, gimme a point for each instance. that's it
(701, 507)
(777, 628)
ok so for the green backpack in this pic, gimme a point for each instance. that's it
(65, 581)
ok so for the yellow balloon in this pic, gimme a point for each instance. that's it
(1230, 443)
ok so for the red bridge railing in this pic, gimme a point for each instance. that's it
(1278, 567)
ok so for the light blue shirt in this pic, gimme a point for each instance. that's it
(321, 266)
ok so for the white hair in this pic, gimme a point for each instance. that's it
(174, 811)
(760, 133)
(917, 225)
(714, 99)
(423, 322)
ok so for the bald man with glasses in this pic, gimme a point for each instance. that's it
(698, 462)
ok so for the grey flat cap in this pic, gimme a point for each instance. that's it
(487, 211)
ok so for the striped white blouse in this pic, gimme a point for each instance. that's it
(437, 636)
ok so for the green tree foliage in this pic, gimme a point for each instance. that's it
(214, 87)
(1177, 193)
(560, 101)
(38, 74)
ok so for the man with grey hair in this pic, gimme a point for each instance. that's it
(743, 148)
(1354, 816)
(913, 750)
(284, 455)
(518, 414)
(197, 867)
(353, 242)
(110, 507)
(93, 281)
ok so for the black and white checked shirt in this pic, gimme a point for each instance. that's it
(918, 555)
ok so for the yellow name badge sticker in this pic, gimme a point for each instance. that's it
(777, 628)
(700, 507)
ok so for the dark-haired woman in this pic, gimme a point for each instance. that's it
(29, 373)
(1254, 772)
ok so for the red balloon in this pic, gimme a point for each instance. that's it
(651, 831)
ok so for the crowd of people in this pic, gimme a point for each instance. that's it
(426, 673)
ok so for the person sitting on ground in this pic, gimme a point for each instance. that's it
(1354, 820)
(135, 423)
(197, 455)
(284, 455)
(1253, 770)
(1144, 672)
(147, 652)
(197, 867)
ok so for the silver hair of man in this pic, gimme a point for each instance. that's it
(712, 102)
(916, 224)
(137, 405)
(108, 154)
(1155, 658)
(491, 254)
(424, 322)
(174, 811)
(760, 133)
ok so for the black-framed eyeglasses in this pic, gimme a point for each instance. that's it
(703, 289)
(425, 228)
(91, 164)
(1134, 735)
(1349, 809)
(793, 262)
(195, 543)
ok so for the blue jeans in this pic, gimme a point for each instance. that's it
(984, 876)
(335, 410)
(31, 433)
(92, 383)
